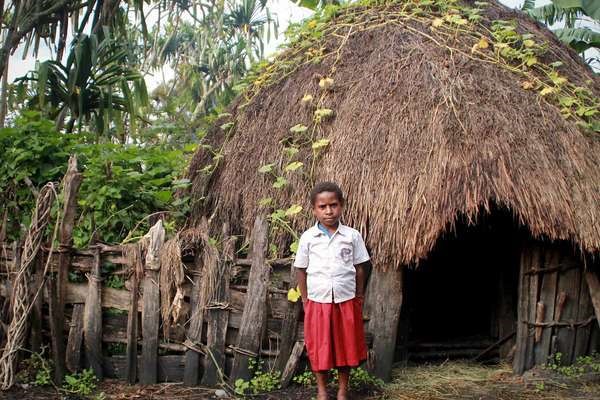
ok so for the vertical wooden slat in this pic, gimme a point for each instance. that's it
(383, 306)
(72, 181)
(151, 305)
(585, 311)
(137, 270)
(217, 318)
(569, 283)
(92, 318)
(73, 353)
(548, 299)
(289, 327)
(537, 261)
(593, 284)
(191, 373)
(292, 363)
(523, 312)
(255, 310)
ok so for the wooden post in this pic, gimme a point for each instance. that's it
(548, 299)
(383, 304)
(151, 307)
(217, 318)
(569, 283)
(72, 181)
(523, 347)
(292, 363)
(289, 328)
(585, 311)
(593, 284)
(73, 354)
(194, 334)
(137, 271)
(254, 316)
(191, 374)
(92, 318)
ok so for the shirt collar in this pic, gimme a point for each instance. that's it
(342, 230)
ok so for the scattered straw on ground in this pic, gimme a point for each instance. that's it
(462, 380)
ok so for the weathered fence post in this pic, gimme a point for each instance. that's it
(191, 373)
(92, 318)
(383, 304)
(217, 317)
(72, 181)
(255, 309)
(151, 307)
(593, 283)
(73, 355)
(134, 255)
(289, 330)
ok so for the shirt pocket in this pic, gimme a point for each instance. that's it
(345, 253)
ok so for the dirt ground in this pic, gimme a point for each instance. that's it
(446, 381)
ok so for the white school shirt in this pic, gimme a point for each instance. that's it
(330, 261)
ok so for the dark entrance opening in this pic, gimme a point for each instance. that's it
(463, 297)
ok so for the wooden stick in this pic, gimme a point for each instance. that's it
(92, 320)
(254, 317)
(151, 307)
(132, 316)
(73, 354)
(72, 181)
(292, 363)
(594, 289)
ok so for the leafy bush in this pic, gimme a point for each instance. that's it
(122, 184)
(83, 383)
(261, 382)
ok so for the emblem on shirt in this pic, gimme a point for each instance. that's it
(346, 254)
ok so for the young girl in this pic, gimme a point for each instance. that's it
(331, 262)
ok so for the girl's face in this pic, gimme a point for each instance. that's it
(327, 209)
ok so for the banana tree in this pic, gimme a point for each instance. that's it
(570, 12)
(96, 87)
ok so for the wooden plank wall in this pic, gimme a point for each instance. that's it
(98, 317)
(556, 313)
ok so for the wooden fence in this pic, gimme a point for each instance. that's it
(121, 332)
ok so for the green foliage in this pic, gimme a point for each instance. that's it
(122, 184)
(96, 85)
(33, 153)
(306, 378)
(36, 370)
(83, 383)
(262, 381)
(116, 348)
(360, 378)
(582, 365)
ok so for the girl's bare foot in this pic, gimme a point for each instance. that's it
(342, 395)
(322, 396)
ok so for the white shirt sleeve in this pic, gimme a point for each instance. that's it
(361, 254)
(301, 259)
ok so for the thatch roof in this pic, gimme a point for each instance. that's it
(426, 128)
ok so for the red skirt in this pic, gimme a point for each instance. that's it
(334, 334)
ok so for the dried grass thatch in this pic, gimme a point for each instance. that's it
(423, 132)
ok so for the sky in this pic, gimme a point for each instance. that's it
(286, 11)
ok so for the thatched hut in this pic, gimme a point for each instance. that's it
(466, 138)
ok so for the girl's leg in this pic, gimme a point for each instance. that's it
(321, 384)
(344, 377)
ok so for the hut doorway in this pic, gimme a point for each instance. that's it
(463, 297)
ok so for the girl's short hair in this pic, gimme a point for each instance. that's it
(326, 187)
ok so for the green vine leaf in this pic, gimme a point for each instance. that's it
(293, 166)
(298, 128)
(266, 168)
(307, 99)
(280, 182)
(293, 210)
(323, 113)
(325, 83)
(291, 151)
(320, 144)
